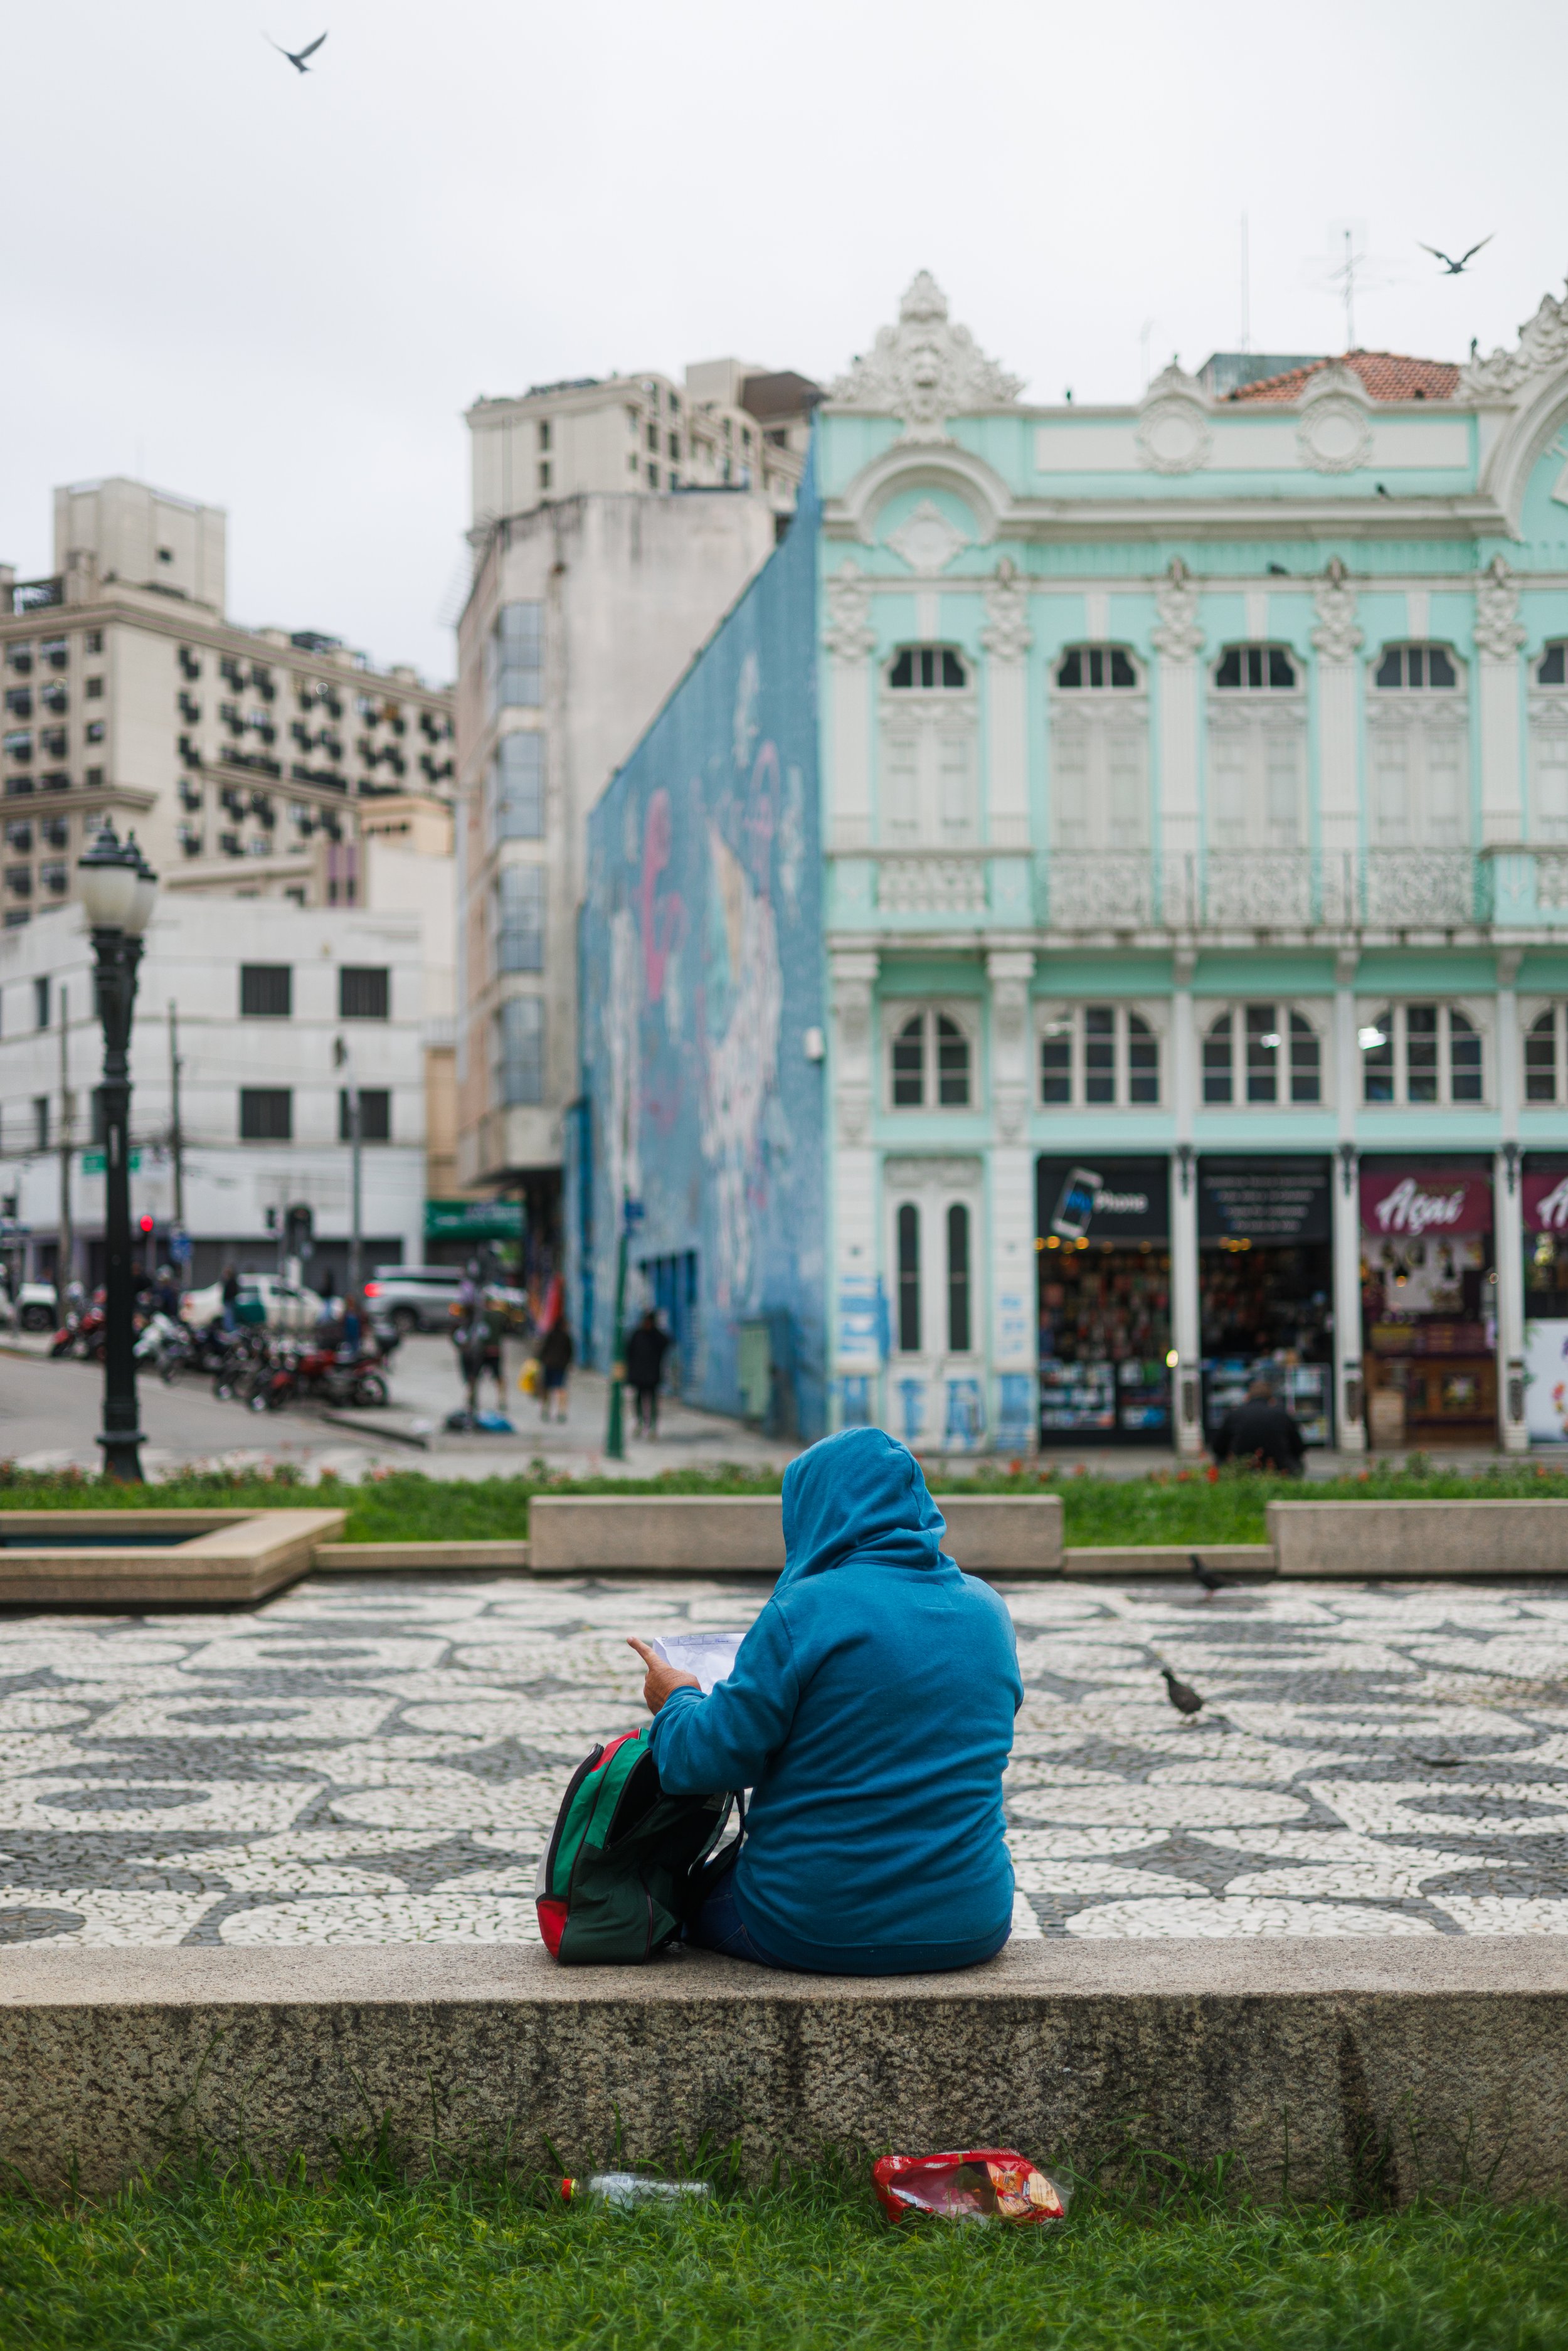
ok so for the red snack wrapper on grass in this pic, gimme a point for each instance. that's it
(983, 2183)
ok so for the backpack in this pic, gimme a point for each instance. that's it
(626, 1865)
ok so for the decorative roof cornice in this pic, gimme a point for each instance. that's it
(1542, 344)
(925, 370)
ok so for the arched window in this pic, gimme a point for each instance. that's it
(1543, 1057)
(928, 792)
(1549, 746)
(1257, 754)
(909, 1278)
(930, 1064)
(1420, 1055)
(1099, 753)
(1263, 1053)
(1420, 750)
(1098, 1054)
(958, 1340)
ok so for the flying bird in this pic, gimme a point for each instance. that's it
(1452, 268)
(296, 56)
(1182, 1695)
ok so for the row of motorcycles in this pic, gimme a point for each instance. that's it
(263, 1369)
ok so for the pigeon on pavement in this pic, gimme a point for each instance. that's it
(1182, 1695)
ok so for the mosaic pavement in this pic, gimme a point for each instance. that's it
(380, 1762)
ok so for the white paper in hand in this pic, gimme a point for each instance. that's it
(708, 1655)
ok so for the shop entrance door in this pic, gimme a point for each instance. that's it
(937, 1355)
(1103, 1248)
(1266, 1287)
(1545, 1189)
(1428, 1303)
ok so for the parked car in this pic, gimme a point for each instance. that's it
(36, 1306)
(265, 1301)
(413, 1297)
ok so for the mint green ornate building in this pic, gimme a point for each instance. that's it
(1194, 803)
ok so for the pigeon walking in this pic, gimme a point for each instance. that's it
(1182, 1695)
(296, 56)
(1205, 1576)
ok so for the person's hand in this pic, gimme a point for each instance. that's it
(661, 1678)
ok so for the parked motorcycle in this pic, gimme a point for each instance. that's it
(337, 1379)
(163, 1346)
(82, 1336)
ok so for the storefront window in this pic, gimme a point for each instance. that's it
(1545, 1203)
(1105, 1300)
(1265, 1286)
(1428, 1303)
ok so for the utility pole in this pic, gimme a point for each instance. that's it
(176, 1136)
(68, 1239)
(356, 1171)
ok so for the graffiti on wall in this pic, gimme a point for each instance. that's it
(700, 972)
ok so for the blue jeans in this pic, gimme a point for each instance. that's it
(719, 1926)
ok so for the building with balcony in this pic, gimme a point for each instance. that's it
(1106, 930)
(243, 758)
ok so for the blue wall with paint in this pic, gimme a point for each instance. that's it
(701, 972)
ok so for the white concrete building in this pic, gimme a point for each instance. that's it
(244, 758)
(276, 1009)
(731, 426)
(614, 524)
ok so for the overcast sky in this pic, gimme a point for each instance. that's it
(278, 293)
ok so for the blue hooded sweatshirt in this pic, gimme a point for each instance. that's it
(870, 1709)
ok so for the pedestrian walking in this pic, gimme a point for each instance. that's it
(555, 1359)
(645, 1352)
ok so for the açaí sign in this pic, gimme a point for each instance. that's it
(1546, 1203)
(1403, 1204)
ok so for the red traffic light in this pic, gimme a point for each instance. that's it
(146, 1226)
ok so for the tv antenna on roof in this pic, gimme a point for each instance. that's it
(1344, 277)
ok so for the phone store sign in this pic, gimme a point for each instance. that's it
(1103, 1199)
(1409, 1205)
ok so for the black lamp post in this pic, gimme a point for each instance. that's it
(118, 887)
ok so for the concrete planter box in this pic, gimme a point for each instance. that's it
(1341, 2046)
(1420, 1539)
(988, 1534)
(71, 1558)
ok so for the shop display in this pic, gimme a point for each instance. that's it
(1429, 1300)
(1105, 1300)
(1264, 1287)
(1545, 1202)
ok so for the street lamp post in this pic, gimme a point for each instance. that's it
(118, 888)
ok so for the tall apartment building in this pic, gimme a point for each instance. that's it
(245, 759)
(732, 426)
(614, 525)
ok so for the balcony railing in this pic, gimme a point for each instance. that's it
(1396, 889)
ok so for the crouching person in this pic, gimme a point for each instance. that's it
(870, 1711)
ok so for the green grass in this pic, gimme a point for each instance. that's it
(367, 2264)
(1173, 1506)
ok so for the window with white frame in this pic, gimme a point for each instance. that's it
(936, 1298)
(1418, 750)
(930, 1061)
(1099, 753)
(1548, 745)
(1098, 1055)
(929, 794)
(1421, 1053)
(1546, 1056)
(1263, 1053)
(1256, 750)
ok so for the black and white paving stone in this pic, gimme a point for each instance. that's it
(381, 1759)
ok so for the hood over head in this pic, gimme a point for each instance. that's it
(858, 1495)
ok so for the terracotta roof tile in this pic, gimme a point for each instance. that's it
(1387, 375)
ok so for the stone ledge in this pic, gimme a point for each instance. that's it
(1380, 1541)
(114, 2058)
(362, 1558)
(223, 1557)
(708, 1534)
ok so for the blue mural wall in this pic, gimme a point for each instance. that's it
(701, 973)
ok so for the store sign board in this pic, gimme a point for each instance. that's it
(1264, 1200)
(1101, 1198)
(477, 1220)
(1404, 1203)
(1546, 1203)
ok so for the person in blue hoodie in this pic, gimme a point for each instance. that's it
(870, 1711)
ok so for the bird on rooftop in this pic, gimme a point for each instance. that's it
(1182, 1695)
(296, 56)
(1452, 268)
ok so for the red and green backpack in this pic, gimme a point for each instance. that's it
(626, 1863)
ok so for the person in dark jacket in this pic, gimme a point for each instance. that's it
(870, 1711)
(555, 1355)
(644, 1367)
(1262, 1435)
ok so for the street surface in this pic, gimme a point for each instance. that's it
(381, 1759)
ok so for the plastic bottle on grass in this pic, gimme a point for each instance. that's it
(623, 2188)
(984, 2183)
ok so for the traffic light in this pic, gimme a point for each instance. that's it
(146, 1224)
